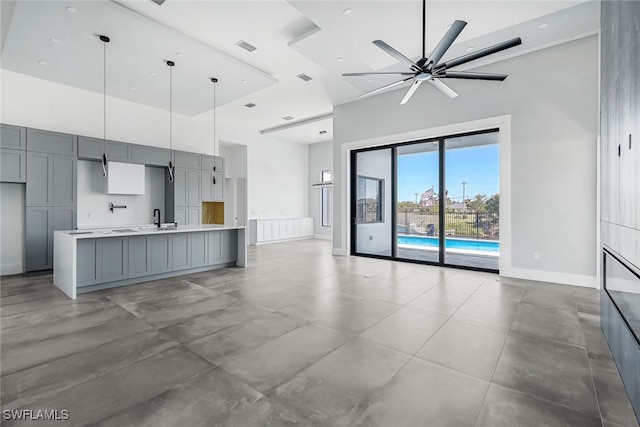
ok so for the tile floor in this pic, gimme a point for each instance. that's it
(304, 338)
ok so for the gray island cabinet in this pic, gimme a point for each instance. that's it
(98, 259)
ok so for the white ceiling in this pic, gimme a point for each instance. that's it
(291, 37)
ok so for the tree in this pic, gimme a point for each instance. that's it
(493, 204)
(406, 205)
(477, 204)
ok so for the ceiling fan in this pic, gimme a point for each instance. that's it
(430, 69)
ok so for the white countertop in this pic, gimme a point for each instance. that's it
(137, 230)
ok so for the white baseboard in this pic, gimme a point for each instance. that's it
(269, 242)
(323, 236)
(552, 277)
(7, 269)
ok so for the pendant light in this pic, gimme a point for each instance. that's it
(171, 168)
(105, 40)
(214, 81)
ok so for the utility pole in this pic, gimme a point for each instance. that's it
(464, 193)
(416, 198)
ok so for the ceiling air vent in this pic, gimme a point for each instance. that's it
(158, 2)
(322, 132)
(243, 44)
(287, 118)
(250, 105)
(304, 77)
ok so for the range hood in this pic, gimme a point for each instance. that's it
(125, 178)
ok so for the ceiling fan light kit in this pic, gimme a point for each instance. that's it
(430, 69)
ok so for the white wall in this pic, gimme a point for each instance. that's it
(375, 238)
(93, 203)
(12, 200)
(320, 159)
(549, 110)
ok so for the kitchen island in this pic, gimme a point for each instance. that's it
(89, 260)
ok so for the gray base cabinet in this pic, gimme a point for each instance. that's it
(89, 257)
(223, 247)
(160, 253)
(115, 259)
(139, 257)
(198, 249)
(181, 252)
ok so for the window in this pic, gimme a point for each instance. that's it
(370, 200)
(327, 200)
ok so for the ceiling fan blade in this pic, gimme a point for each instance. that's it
(416, 84)
(389, 86)
(438, 84)
(478, 54)
(390, 73)
(391, 51)
(450, 36)
(470, 75)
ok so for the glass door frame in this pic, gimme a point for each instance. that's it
(353, 250)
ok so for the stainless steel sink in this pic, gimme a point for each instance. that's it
(125, 230)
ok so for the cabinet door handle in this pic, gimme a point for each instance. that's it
(214, 180)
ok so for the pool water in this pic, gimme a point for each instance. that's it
(463, 244)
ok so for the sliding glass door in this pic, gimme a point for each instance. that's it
(433, 201)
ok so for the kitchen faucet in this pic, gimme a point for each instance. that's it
(154, 217)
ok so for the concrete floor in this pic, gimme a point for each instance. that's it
(304, 338)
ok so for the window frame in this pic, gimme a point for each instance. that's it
(361, 214)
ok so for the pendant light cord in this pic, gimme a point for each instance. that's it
(171, 107)
(424, 26)
(104, 97)
(214, 119)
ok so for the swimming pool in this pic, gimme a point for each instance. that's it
(451, 244)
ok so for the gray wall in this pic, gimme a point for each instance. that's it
(548, 108)
(320, 158)
(620, 117)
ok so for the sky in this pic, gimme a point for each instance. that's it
(478, 166)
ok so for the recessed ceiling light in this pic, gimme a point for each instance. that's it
(191, 105)
(245, 81)
(304, 77)
(132, 88)
(246, 46)
(287, 118)
(72, 9)
(340, 59)
(347, 12)
(370, 80)
(43, 63)
(543, 26)
(470, 48)
(55, 40)
(153, 73)
(179, 54)
(250, 105)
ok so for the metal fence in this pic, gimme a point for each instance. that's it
(477, 225)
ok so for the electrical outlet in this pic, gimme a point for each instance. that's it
(536, 256)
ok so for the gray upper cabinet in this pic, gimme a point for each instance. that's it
(65, 177)
(150, 156)
(64, 218)
(181, 215)
(181, 186)
(44, 141)
(13, 165)
(14, 137)
(212, 186)
(51, 180)
(194, 216)
(183, 159)
(194, 197)
(39, 179)
(212, 163)
(93, 148)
